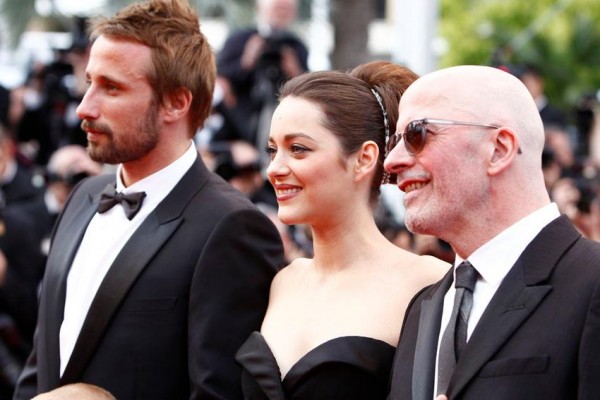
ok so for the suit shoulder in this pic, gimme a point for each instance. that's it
(224, 196)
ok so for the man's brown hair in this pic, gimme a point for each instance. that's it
(181, 55)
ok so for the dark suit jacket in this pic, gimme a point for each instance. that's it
(43, 220)
(539, 337)
(229, 58)
(21, 188)
(553, 116)
(4, 104)
(18, 294)
(241, 120)
(181, 297)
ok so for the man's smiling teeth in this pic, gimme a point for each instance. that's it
(283, 192)
(413, 186)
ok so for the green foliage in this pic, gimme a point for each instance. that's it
(559, 37)
(17, 14)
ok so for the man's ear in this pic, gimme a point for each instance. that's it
(506, 148)
(366, 159)
(177, 104)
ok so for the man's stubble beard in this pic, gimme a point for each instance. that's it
(127, 146)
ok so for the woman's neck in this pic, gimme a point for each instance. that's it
(342, 245)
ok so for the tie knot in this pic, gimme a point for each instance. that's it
(119, 197)
(131, 202)
(466, 276)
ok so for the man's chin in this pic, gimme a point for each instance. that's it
(97, 154)
(417, 225)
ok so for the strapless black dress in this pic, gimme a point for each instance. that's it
(347, 367)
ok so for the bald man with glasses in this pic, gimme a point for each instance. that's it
(518, 317)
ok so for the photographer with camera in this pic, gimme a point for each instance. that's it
(67, 166)
(253, 64)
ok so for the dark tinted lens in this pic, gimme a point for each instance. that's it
(414, 137)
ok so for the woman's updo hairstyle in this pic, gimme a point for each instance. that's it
(359, 105)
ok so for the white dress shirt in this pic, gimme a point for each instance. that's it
(493, 261)
(104, 238)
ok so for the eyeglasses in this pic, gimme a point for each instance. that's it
(416, 132)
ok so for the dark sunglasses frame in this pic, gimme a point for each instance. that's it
(416, 133)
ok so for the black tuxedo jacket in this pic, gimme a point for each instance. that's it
(187, 289)
(539, 337)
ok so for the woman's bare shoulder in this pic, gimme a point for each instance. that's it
(287, 276)
(432, 268)
(424, 269)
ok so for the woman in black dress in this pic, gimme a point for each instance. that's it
(334, 320)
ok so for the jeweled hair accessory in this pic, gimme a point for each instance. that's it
(386, 125)
(385, 116)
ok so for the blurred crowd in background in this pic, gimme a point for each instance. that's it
(42, 156)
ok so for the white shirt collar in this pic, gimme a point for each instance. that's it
(495, 258)
(161, 182)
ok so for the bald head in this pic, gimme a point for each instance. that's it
(484, 94)
(76, 391)
(481, 158)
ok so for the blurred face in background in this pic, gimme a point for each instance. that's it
(67, 166)
(278, 14)
(534, 83)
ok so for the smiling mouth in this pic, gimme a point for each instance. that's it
(413, 186)
(287, 192)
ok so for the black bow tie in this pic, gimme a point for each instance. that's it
(131, 202)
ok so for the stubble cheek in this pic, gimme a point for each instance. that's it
(423, 217)
(417, 222)
(415, 218)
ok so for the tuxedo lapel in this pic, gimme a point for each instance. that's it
(52, 303)
(129, 264)
(520, 293)
(158, 227)
(427, 341)
(511, 305)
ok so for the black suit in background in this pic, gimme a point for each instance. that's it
(4, 105)
(248, 84)
(43, 220)
(18, 294)
(22, 188)
(181, 297)
(552, 116)
(539, 337)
